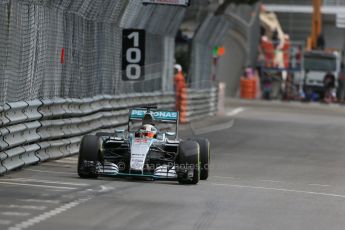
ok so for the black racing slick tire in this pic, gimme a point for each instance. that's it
(189, 162)
(88, 157)
(204, 157)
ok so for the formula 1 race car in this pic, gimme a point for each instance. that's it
(150, 148)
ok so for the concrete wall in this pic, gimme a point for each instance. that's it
(230, 73)
(334, 37)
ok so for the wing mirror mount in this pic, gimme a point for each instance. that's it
(170, 134)
(120, 133)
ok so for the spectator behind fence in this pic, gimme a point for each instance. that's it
(329, 88)
(179, 85)
(341, 85)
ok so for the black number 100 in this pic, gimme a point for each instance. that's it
(133, 54)
(133, 57)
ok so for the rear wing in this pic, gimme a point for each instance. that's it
(164, 116)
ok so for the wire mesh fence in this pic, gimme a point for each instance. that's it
(243, 21)
(334, 3)
(72, 48)
(211, 33)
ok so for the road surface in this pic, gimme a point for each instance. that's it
(274, 166)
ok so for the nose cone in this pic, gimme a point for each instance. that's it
(139, 150)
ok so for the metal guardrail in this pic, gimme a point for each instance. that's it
(84, 58)
(37, 131)
(334, 3)
(201, 103)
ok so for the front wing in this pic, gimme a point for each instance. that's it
(160, 173)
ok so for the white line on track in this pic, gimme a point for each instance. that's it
(42, 217)
(321, 185)
(225, 177)
(280, 190)
(37, 185)
(48, 171)
(273, 181)
(44, 181)
(55, 190)
(39, 201)
(5, 222)
(235, 111)
(105, 188)
(27, 207)
(67, 160)
(14, 213)
(233, 178)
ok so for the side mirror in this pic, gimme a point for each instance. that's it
(170, 134)
(120, 133)
(160, 136)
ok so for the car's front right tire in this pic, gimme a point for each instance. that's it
(88, 158)
(204, 157)
(189, 162)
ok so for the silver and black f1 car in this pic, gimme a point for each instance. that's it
(150, 148)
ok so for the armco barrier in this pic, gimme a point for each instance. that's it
(15, 112)
(37, 131)
(200, 103)
(3, 120)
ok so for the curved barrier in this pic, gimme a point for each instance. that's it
(36, 131)
(199, 103)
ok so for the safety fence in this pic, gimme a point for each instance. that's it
(61, 73)
(211, 33)
(245, 24)
(72, 48)
(40, 130)
(290, 2)
(305, 2)
(240, 24)
(334, 3)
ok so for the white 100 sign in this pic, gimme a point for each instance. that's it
(133, 57)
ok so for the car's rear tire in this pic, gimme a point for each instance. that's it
(88, 157)
(204, 157)
(189, 162)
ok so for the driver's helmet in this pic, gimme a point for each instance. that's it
(147, 130)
